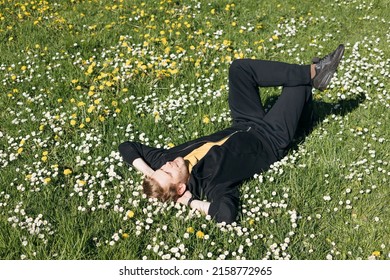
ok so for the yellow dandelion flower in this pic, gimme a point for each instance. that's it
(81, 183)
(125, 235)
(130, 214)
(89, 70)
(72, 122)
(251, 222)
(47, 180)
(164, 41)
(87, 120)
(190, 230)
(171, 145)
(80, 104)
(275, 37)
(67, 171)
(376, 253)
(200, 234)
(20, 150)
(44, 158)
(102, 118)
(82, 125)
(90, 109)
(206, 120)
(173, 71)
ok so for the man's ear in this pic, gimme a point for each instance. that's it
(181, 188)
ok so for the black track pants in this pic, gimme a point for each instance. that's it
(281, 121)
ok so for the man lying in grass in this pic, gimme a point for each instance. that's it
(205, 173)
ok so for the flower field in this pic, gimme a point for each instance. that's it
(78, 77)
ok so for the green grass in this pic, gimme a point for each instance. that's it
(80, 77)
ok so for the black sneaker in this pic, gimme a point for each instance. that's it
(326, 67)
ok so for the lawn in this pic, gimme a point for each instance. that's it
(80, 77)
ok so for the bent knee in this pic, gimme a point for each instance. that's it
(239, 65)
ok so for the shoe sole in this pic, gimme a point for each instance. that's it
(325, 76)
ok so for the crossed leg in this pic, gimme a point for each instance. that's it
(245, 78)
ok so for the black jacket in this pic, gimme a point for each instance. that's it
(218, 174)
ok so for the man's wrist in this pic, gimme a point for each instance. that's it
(192, 198)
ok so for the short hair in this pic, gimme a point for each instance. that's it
(153, 189)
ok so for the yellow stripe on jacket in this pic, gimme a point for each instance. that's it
(196, 155)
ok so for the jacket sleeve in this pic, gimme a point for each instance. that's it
(225, 209)
(133, 150)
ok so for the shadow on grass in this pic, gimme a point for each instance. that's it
(317, 113)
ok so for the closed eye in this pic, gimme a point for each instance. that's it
(167, 172)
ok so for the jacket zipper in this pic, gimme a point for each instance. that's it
(230, 135)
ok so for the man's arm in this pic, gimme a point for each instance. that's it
(202, 206)
(143, 158)
(142, 166)
(223, 210)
